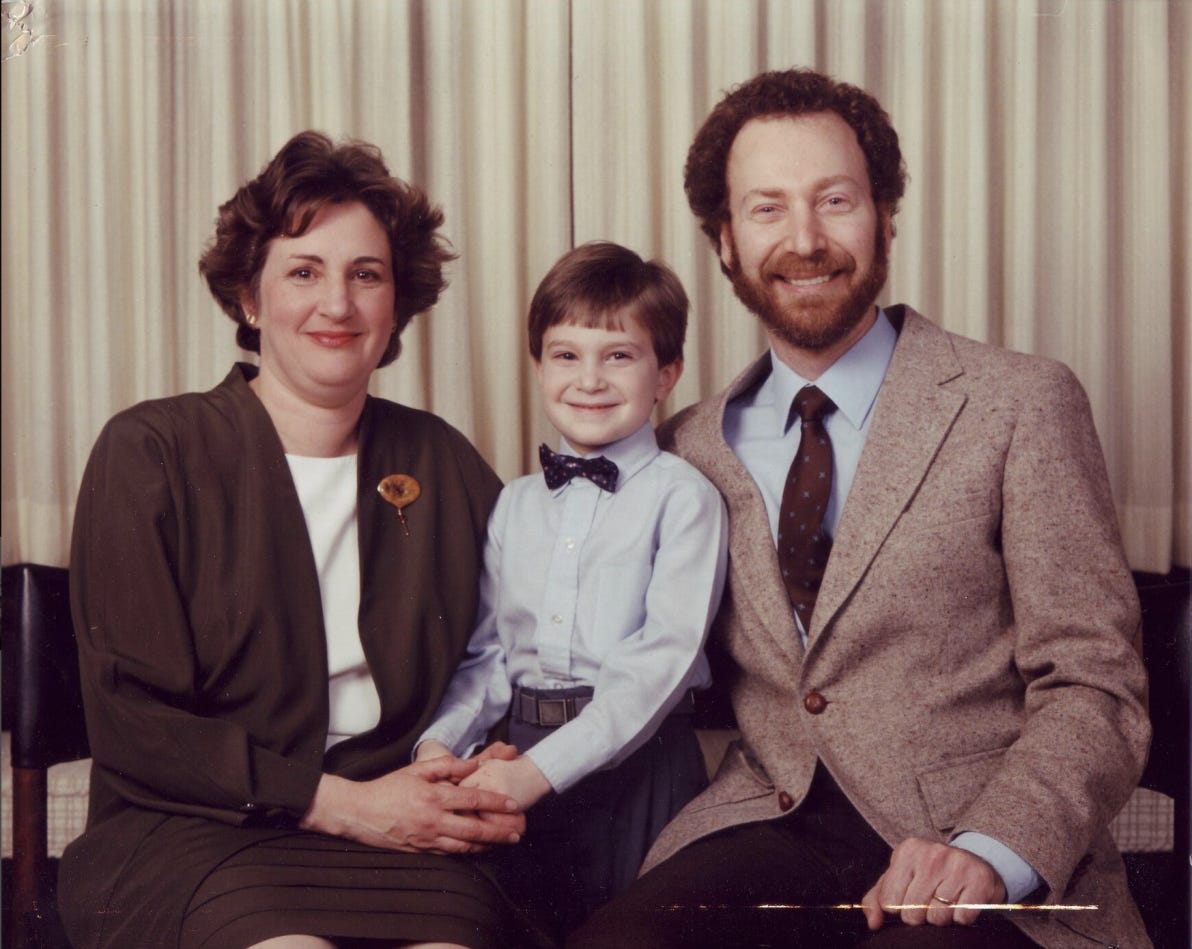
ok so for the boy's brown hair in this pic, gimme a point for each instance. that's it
(592, 284)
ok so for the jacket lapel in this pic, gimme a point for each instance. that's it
(914, 413)
(752, 564)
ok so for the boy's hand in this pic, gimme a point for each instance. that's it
(436, 749)
(431, 749)
(519, 779)
(498, 749)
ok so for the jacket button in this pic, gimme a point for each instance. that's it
(814, 702)
(785, 801)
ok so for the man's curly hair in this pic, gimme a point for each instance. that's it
(788, 92)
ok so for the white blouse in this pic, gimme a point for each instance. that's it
(327, 491)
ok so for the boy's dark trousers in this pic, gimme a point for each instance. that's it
(584, 846)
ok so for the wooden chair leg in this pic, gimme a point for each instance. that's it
(29, 859)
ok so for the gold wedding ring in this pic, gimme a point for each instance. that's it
(941, 899)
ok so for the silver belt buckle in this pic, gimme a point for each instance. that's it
(553, 712)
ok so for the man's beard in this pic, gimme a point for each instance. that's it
(813, 325)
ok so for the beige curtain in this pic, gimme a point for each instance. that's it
(1048, 208)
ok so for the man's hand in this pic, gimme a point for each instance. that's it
(932, 876)
(519, 779)
(416, 808)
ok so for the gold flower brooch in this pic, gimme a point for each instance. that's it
(400, 490)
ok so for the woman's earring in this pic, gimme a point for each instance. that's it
(250, 319)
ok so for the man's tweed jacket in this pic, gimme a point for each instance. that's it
(973, 637)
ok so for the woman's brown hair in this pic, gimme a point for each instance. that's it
(310, 172)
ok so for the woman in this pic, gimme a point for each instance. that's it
(262, 634)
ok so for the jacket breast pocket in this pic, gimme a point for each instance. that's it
(933, 510)
(950, 788)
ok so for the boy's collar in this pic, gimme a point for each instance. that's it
(631, 453)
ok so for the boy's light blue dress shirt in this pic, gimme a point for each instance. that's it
(586, 588)
(755, 429)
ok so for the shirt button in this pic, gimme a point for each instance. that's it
(814, 702)
(785, 801)
(556, 619)
(569, 544)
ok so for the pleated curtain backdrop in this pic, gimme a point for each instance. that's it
(1047, 211)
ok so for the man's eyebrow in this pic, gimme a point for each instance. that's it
(834, 180)
(822, 184)
(768, 194)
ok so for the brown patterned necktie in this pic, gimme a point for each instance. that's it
(803, 545)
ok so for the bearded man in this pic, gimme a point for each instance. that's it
(929, 615)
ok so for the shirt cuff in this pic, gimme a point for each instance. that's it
(1018, 876)
(448, 730)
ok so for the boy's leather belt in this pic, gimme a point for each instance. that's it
(533, 707)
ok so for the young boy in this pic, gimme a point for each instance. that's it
(602, 576)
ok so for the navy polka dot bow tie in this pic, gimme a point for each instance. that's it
(559, 469)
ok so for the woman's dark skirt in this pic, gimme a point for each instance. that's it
(315, 885)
